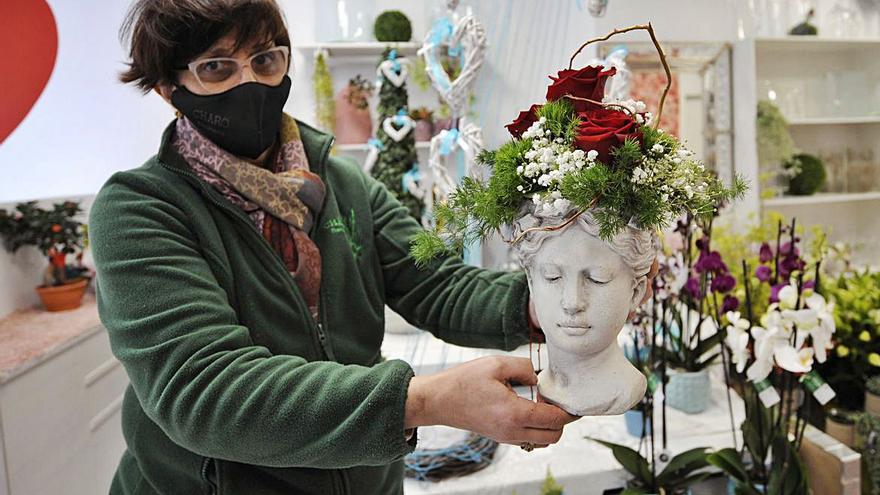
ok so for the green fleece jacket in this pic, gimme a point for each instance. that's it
(235, 388)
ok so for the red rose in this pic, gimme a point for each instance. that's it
(588, 82)
(603, 129)
(522, 123)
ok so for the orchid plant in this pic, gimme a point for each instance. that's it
(774, 355)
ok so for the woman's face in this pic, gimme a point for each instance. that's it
(223, 48)
(582, 290)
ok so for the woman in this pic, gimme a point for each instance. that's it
(249, 329)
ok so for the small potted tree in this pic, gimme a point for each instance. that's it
(57, 235)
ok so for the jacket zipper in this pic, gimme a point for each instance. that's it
(211, 485)
(317, 326)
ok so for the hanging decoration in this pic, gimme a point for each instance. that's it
(464, 40)
(325, 106)
(393, 70)
(392, 153)
(399, 126)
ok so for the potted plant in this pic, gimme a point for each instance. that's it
(872, 396)
(353, 122)
(424, 118)
(675, 478)
(840, 424)
(392, 26)
(57, 235)
(853, 366)
(774, 357)
(697, 289)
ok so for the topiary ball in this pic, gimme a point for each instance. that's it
(392, 25)
(809, 174)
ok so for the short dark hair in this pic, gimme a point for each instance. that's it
(164, 35)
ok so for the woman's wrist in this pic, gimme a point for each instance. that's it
(416, 408)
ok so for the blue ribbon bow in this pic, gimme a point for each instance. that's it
(448, 141)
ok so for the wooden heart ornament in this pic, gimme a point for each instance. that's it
(397, 134)
(29, 45)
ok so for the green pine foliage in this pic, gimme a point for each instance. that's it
(477, 209)
(396, 159)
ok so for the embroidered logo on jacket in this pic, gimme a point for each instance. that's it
(348, 229)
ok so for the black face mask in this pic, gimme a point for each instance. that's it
(244, 121)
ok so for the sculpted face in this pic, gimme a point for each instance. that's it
(582, 290)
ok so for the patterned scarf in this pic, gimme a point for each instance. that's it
(282, 202)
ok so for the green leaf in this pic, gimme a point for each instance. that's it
(728, 460)
(635, 491)
(632, 461)
(683, 464)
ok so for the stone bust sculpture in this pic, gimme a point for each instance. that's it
(584, 288)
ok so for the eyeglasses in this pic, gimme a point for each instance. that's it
(220, 74)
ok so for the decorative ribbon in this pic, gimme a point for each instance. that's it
(448, 139)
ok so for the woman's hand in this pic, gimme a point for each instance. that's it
(477, 396)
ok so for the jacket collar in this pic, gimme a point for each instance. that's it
(316, 144)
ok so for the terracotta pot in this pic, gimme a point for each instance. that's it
(63, 297)
(424, 130)
(872, 403)
(353, 124)
(443, 124)
(844, 432)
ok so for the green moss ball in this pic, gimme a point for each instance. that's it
(811, 176)
(392, 25)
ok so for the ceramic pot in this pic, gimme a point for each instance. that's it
(872, 403)
(689, 391)
(587, 373)
(63, 297)
(353, 124)
(842, 430)
(731, 487)
(635, 423)
(424, 130)
(442, 124)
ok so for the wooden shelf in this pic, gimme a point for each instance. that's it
(823, 198)
(363, 148)
(366, 49)
(834, 120)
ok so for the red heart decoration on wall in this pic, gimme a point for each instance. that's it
(28, 48)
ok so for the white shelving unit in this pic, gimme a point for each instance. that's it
(842, 119)
(822, 198)
(363, 148)
(344, 52)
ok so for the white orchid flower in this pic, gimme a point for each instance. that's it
(736, 320)
(788, 297)
(738, 342)
(767, 342)
(790, 359)
(826, 326)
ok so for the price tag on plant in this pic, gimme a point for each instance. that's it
(767, 393)
(818, 387)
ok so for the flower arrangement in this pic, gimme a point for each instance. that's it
(776, 360)
(576, 152)
(694, 288)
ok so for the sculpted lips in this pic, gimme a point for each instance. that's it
(574, 328)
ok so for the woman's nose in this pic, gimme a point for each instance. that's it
(247, 75)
